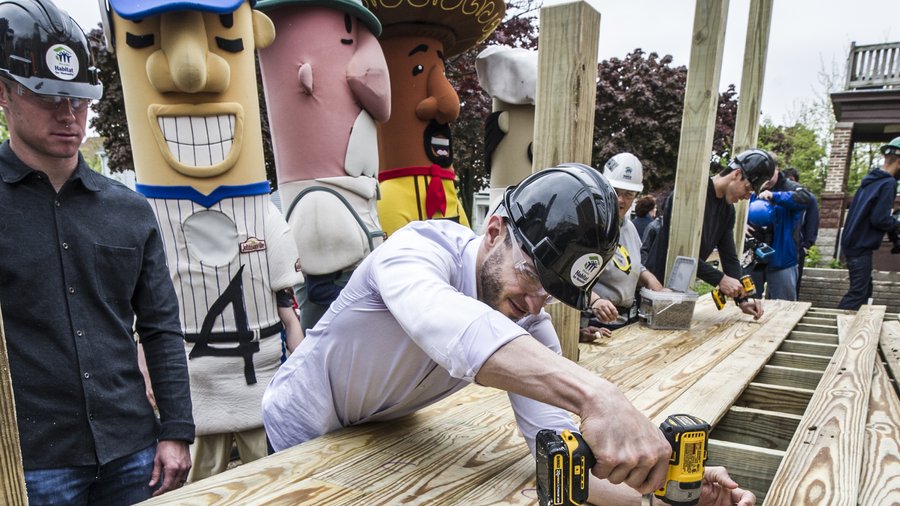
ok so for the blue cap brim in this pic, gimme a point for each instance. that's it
(137, 9)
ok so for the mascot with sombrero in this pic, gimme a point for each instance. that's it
(187, 71)
(326, 84)
(415, 146)
(509, 76)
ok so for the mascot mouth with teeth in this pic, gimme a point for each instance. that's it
(415, 145)
(188, 78)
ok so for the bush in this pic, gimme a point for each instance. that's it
(813, 257)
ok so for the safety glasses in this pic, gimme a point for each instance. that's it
(526, 273)
(51, 102)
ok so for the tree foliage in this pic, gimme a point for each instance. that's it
(640, 102)
(797, 146)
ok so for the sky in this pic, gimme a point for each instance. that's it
(808, 38)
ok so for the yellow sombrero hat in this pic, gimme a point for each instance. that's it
(459, 24)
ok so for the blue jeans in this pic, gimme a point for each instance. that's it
(120, 482)
(779, 284)
(860, 270)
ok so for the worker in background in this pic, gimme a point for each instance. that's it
(809, 227)
(868, 219)
(613, 298)
(442, 308)
(644, 214)
(779, 273)
(750, 171)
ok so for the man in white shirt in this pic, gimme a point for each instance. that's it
(437, 307)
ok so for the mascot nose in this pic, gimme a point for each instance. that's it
(183, 63)
(442, 103)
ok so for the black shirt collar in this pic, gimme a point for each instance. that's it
(14, 170)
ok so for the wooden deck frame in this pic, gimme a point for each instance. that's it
(12, 476)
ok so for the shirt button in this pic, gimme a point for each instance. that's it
(71, 289)
(87, 375)
(56, 202)
(65, 245)
(79, 333)
(91, 416)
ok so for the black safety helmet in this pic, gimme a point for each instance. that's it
(567, 220)
(43, 49)
(757, 165)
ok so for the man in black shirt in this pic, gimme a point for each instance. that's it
(80, 258)
(749, 171)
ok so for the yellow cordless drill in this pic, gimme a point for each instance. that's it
(749, 291)
(564, 462)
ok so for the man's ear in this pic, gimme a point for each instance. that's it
(4, 95)
(494, 230)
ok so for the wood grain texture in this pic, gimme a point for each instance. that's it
(775, 398)
(880, 480)
(709, 386)
(567, 323)
(566, 94)
(698, 123)
(12, 477)
(800, 361)
(890, 347)
(755, 427)
(823, 463)
(746, 124)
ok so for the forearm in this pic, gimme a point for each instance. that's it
(649, 280)
(604, 493)
(525, 367)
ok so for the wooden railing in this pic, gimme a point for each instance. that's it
(873, 66)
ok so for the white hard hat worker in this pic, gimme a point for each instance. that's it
(626, 174)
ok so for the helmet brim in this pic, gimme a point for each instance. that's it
(58, 88)
(629, 187)
(564, 291)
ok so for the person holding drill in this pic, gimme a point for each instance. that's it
(436, 308)
(749, 172)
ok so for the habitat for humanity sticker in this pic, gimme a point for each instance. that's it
(62, 62)
(585, 269)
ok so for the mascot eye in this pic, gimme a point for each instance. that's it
(138, 41)
(418, 69)
(230, 45)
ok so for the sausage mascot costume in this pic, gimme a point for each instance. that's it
(509, 76)
(191, 99)
(415, 145)
(326, 85)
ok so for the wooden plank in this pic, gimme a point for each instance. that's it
(824, 350)
(800, 361)
(880, 480)
(890, 347)
(789, 377)
(567, 324)
(706, 381)
(813, 337)
(815, 320)
(775, 398)
(746, 124)
(745, 459)
(824, 459)
(755, 427)
(565, 100)
(12, 476)
(819, 329)
(697, 128)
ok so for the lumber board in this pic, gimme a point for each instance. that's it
(819, 329)
(808, 348)
(880, 480)
(818, 320)
(889, 342)
(800, 361)
(746, 125)
(755, 427)
(824, 459)
(12, 476)
(744, 459)
(813, 337)
(789, 377)
(565, 100)
(705, 385)
(697, 128)
(775, 398)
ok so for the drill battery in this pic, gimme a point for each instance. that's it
(688, 436)
(564, 463)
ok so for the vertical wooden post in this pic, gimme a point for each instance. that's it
(701, 98)
(746, 127)
(12, 476)
(564, 114)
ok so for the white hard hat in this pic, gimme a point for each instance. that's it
(625, 172)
